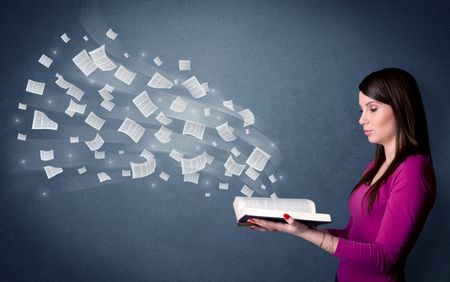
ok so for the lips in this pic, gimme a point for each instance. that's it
(367, 132)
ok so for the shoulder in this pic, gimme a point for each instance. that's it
(415, 169)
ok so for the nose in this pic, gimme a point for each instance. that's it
(362, 119)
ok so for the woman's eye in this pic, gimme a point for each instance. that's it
(373, 110)
(360, 111)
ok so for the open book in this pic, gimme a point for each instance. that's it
(273, 209)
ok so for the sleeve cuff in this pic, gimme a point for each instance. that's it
(340, 248)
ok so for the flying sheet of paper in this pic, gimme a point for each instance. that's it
(126, 55)
(258, 159)
(163, 134)
(22, 107)
(229, 105)
(52, 171)
(108, 105)
(96, 143)
(21, 137)
(111, 34)
(124, 75)
(205, 86)
(82, 170)
(194, 129)
(194, 87)
(147, 155)
(208, 194)
(85, 38)
(157, 61)
(247, 116)
(45, 61)
(235, 152)
(95, 121)
(252, 173)
(42, 121)
(226, 132)
(75, 92)
(99, 155)
(120, 152)
(178, 105)
(103, 176)
(84, 63)
(164, 176)
(74, 139)
(247, 131)
(65, 38)
(163, 119)
(105, 92)
(191, 177)
(184, 65)
(263, 186)
(247, 191)
(145, 104)
(214, 143)
(273, 196)
(126, 172)
(207, 112)
(140, 170)
(35, 87)
(101, 60)
(160, 82)
(233, 167)
(74, 107)
(272, 178)
(61, 82)
(174, 154)
(193, 165)
(209, 158)
(223, 186)
(46, 155)
(132, 129)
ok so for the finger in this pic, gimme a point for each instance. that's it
(269, 225)
(289, 219)
(258, 228)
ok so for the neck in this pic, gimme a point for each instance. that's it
(389, 151)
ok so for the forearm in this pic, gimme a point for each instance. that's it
(321, 238)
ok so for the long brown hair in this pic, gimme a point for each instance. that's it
(399, 89)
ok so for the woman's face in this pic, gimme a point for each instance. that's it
(377, 119)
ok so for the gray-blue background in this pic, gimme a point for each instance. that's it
(297, 64)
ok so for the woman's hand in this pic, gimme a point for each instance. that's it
(291, 226)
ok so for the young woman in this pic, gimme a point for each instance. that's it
(390, 204)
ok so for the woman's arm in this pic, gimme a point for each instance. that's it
(318, 237)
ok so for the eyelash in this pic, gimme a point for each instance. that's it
(372, 110)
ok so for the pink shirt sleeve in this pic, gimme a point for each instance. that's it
(412, 196)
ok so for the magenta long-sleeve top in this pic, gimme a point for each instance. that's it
(375, 247)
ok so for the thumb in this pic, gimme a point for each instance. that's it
(289, 219)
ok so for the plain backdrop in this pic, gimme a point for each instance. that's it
(297, 65)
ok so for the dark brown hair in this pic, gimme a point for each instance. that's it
(399, 89)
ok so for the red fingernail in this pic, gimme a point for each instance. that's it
(286, 216)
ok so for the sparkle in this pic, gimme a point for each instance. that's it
(128, 108)
(49, 101)
(153, 145)
(272, 144)
(197, 147)
(92, 81)
(110, 162)
(24, 161)
(153, 184)
(159, 100)
(143, 54)
(207, 182)
(17, 120)
(44, 194)
(54, 52)
(218, 117)
(69, 155)
(213, 90)
(281, 176)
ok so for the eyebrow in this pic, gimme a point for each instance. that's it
(369, 103)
